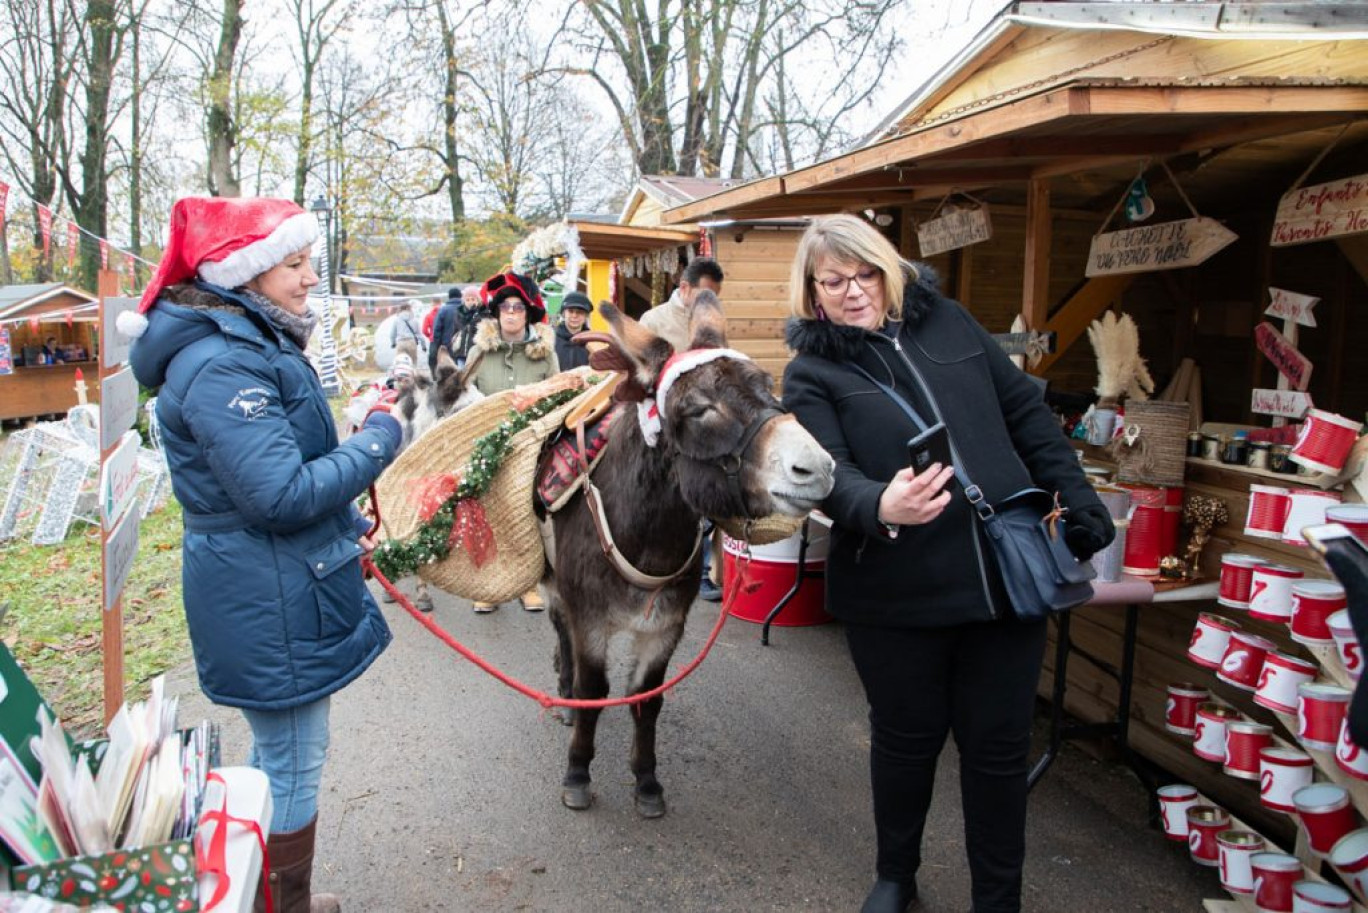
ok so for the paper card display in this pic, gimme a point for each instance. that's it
(1322, 211)
(114, 345)
(119, 479)
(1290, 363)
(1282, 403)
(953, 230)
(19, 706)
(119, 551)
(118, 406)
(157, 878)
(1292, 306)
(1152, 248)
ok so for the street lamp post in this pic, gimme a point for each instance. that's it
(327, 368)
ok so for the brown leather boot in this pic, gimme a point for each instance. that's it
(291, 857)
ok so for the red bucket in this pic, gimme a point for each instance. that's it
(1148, 522)
(775, 568)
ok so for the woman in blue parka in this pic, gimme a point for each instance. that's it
(279, 615)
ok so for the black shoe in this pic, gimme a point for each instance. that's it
(710, 592)
(890, 897)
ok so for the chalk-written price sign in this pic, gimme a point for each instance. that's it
(1330, 210)
(1291, 404)
(119, 551)
(1292, 306)
(1151, 248)
(953, 230)
(114, 345)
(118, 406)
(1290, 363)
(119, 479)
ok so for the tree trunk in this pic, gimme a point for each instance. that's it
(301, 174)
(224, 180)
(92, 209)
(135, 144)
(451, 158)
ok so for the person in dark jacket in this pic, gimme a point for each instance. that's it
(910, 570)
(278, 613)
(574, 318)
(455, 326)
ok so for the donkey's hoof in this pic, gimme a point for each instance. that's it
(650, 806)
(423, 603)
(577, 797)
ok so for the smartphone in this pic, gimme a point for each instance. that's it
(931, 446)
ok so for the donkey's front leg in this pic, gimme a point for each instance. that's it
(563, 659)
(653, 654)
(591, 682)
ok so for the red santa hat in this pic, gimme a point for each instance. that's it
(226, 241)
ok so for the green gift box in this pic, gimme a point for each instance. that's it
(151, 879)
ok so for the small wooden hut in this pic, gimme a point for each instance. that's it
(60, 319)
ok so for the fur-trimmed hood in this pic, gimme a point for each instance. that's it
(541, 344)
(840, 343)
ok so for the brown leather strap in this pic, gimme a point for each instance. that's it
(615, 557)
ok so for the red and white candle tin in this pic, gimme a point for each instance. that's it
(1320, 712)
(1174, 801)
(1320, 897)
(1180, 713)
(1274, 876)
(1308, 507)
(1146, 535)
(1346, 643)
(1353, 517)
(1268, 507)
(1283, 771)
(1244, 740)
(1210, 637)
(1236, 851)
(1270, 592)
(1325, 813)
(1204, 823)
(1237, 579)
(1313, 602)
(1351, 759)
(1244, 659)
(1349, 856)
(1325, 441)
(1279, 680)
(1209, 741)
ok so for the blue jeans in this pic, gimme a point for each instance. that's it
(289, 746)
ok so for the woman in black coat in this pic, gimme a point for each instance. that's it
(910, 571)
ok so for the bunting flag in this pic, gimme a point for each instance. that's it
(69, 315)
(613, 282)
(45, 226)
(104, 254)
(33, 324)
(704, 243)
(73, 238)
(131, 264)
(4, 199)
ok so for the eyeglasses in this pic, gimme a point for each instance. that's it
(512, 307)
(836, 286)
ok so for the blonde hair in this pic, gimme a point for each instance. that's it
(846, 239)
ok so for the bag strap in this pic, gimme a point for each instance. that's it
(971, 491)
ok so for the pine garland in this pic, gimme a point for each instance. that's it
(432, 542)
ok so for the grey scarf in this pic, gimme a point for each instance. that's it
(299, 327)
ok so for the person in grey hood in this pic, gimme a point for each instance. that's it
(910, 570)
(278, 613)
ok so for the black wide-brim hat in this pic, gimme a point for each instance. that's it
(513, 285)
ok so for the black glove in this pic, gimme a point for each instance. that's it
(1088, 530)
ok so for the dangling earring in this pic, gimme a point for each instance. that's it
(821, 314)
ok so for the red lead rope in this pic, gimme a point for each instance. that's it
(742, 584)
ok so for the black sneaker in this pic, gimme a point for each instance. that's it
(710, 592)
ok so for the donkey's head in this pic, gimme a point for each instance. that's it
(431, 398)
(736, 453)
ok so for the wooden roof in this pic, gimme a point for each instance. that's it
(48, 302)
(605, 241)
(1103, 128)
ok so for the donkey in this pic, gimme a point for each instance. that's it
(725, 449)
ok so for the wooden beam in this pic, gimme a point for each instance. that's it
(1073, 317)
(1226, 100)
(919, 175)
(1035, 293)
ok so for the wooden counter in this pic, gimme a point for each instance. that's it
(46, 389)
(1160, 659)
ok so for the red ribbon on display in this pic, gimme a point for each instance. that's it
(212, 859)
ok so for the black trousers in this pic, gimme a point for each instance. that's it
(979, 682)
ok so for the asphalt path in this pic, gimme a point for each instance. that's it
(442, 790)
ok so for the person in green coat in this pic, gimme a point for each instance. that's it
(514, 346)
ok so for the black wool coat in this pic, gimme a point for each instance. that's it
(939, 359)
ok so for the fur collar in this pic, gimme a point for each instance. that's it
(840, 343)
(538, 348)
(189, 295)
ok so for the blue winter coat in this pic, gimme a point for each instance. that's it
(278, 613)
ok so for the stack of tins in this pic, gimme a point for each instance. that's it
(773, 573)
(1155, 519)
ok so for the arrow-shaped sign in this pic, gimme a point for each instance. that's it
(1290, 363)
(1151, 248)
(1292, 306)
(1282, 403)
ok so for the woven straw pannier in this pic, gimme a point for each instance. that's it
(761, 531)
(520, 557)
(1152, 448)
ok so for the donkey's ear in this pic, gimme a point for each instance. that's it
(707, 324)
(645, 351)
(446, 365)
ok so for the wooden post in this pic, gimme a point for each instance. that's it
(964, 276)
(1035, 293)
(111, 622)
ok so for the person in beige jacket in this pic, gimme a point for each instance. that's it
(670, 320)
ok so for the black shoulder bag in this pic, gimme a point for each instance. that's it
(1026, 530)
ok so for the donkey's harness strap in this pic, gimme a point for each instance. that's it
(615, 556)
(732, 462)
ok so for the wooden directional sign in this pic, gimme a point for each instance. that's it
(119, 479)
(1282, 403)
(1292, 306)
(119, 551)
(114, 345)
(1324, 211)
(1151, 248)
(118, 406)
(1290, 363)
(956, 229)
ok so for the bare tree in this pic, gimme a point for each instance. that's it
(220, 125)
(317, 23)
